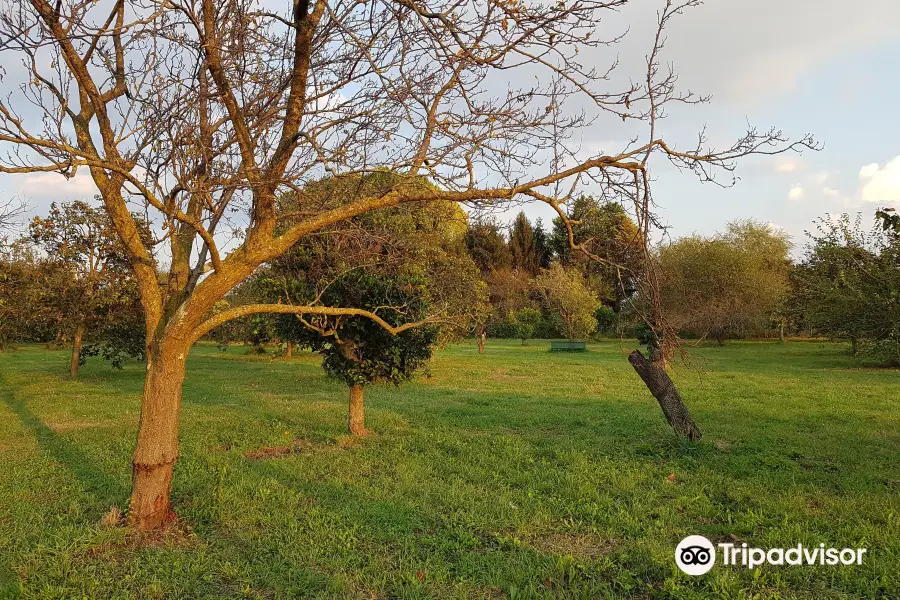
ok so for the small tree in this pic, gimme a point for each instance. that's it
(358, 350)
(528, 321)
(564, 291)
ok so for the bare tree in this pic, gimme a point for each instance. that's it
(204, 112)
(10, 211)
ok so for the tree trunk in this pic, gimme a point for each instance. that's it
(781, 333)
(76, 350)
(157, 444)
(290, 349)
(663, 389)
(356, 415)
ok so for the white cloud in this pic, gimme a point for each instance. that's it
(796, 193)
(882, 184)
(763, 47)
(868, 170)
(830, 192)
(56, 187)
(821, 177)
(787, 166)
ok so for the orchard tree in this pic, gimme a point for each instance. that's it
(205, 112)
(29, 284)
(528, 322)
(360, 351)
(849, 286)
(100, 295)
(731, 284)
(423, 241)
(564, 291)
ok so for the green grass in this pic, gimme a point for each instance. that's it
(517, 473)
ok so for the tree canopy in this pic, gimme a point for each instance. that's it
(849, 286)
(728, 284)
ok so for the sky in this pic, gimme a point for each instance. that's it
(827, 67)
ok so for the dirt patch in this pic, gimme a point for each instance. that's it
(295, 447)
(722, 444)
(579, 545)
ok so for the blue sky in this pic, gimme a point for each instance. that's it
(821, 66)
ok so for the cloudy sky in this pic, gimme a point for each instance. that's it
(823, 66)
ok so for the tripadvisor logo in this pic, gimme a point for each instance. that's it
(696, 555)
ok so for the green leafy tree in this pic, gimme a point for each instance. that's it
(564, 291)
(522, 247)
(359, 351)
(28, 286)
(542, 245)
(607, 232)
(487, 245)
(101, 295)
(731, 284)
(528, 322)
(422, 241)
(849, 285)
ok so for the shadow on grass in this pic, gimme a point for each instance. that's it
(105, 489)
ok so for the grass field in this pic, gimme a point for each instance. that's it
(517, 473)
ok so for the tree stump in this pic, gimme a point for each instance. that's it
(663, 389)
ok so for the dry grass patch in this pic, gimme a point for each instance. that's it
(578, 545)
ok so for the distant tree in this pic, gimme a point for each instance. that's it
(850, 286)
(101, 291)
(542, 245)
(606, 319)
(358, 350)
(10, 211)
(564, 291)
(731, 284)
(487, 245)
(508, 291)
(28, 286)
(528, 322)
(607, 232)
(522, 247)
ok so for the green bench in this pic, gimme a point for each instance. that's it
(567, 346)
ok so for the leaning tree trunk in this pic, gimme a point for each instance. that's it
(76, 350)
(157, 444)
(356, 414)
(663, 389)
